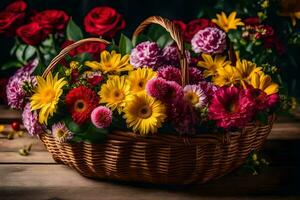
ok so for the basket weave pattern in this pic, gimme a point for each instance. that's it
(162, 159)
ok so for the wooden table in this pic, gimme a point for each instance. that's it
(37, 176)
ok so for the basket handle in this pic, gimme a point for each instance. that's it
(67, 49)
(176, 36)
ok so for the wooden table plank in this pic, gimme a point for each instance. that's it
(35, 157)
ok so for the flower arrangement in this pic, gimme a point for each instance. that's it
(136, 86)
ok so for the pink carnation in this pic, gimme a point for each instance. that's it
(145, 54)
(101, 117)
(30, 120)
(231, 107)
(210, 40)
(166, 91)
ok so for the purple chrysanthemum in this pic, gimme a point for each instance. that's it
(208, 88)
(195, 76)
(170, 56)
(61, 133)
(101, 117)
(170, 73)
(166, 91)
(30, 121)
(14, 89)
(145, 54)
(210, 40)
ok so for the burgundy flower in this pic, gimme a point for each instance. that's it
(194, 26)
(31, 34)
(104, 21)
(180, 24)
(252, 21)
(51, 20)
(10, 21)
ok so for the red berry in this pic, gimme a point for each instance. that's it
(15, 125)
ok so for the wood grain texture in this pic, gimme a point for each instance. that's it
(35, 157)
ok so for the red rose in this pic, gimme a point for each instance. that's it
(16, 7)
(93, 48)
(31, 34)
(9, 22)
(194, 26)
(103, 21)
(51, 20)
(252, 21)
(180, 24)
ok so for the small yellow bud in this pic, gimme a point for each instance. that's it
(74, 64)
(254, 157)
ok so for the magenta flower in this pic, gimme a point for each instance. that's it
(195, 76)
(272, 100)
(145, 54)
(166, 91)
(101, 117)
(231, 107)
(170, 73)
(170, 56)
(210, 40)
(30, 121)
(208, 88)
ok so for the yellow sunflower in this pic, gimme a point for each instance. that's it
(139, 77)
(115, 92)
(227, 75)
(264, 82)
(112, 63)
(46, 96)
(245, 69)
(144, 114)
(211, 64)
(228, 23)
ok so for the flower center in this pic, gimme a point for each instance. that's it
(60, 133)
(231, 107)
(145, 112)
(118, 95)
(141, 84)
(48, 96)
(79, 106)
(192, 98)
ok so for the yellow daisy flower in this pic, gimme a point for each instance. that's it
(227, 75)
(144, 114)
(263, 82)
(228, 23)
(211, 64)
(139, 77)
(46, 96)
(115, 92)
(246, 68)
(111, 63)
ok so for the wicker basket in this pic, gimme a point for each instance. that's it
(167, 159)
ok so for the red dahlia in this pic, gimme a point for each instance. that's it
(231, 107)
(81, 101)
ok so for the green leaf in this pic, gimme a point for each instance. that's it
(125, 45)
(13, 49)
(156, 31)
(262, 117)
(140, 38)
(73, 31)
(29, 52)
(20, 52)
(164, 40)
(11, 64)
(73, 127)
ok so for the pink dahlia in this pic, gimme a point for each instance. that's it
(183, 116)
(195, 76)
(145, 54)
(30, 120)
(272, 100)
(166, 91)
(170, 73)
(208, 88)
(231, 107)
(210, 40)
(61, 133)
(101, 117)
